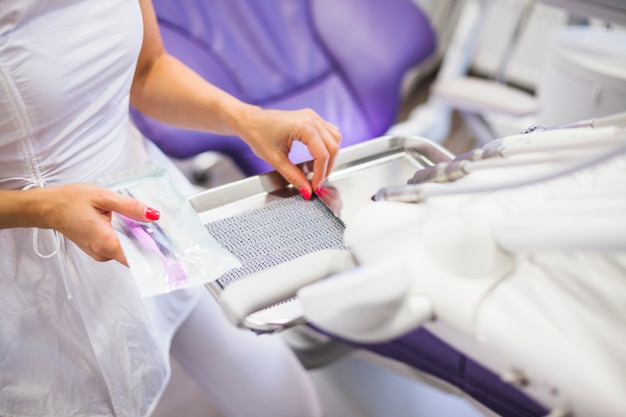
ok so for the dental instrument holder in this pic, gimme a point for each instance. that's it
(264, 301)
(604, 131)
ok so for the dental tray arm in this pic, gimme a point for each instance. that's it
(367, 304)
(281, 282)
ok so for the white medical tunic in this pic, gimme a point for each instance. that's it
(75, 337)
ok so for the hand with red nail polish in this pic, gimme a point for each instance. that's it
(271, 133)
(81, 212)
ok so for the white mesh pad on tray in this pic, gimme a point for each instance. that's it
(278, 232)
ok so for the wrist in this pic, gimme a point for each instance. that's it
(40, 210)
(30, 208)
(240, 118)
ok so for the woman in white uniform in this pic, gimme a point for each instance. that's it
(76, 339)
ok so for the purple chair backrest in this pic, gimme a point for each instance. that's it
(344, 59)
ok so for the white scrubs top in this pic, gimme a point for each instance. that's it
(75, 337)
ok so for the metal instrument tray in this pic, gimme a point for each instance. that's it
(359, 172)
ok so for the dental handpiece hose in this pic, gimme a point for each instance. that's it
(618, 119)
(550, 146)
(555, 140)
(416, 193)
(452, 171)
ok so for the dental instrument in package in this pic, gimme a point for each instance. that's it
(173, 252)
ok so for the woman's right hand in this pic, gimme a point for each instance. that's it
(81, 212)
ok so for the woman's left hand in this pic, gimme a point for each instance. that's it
(270, 135)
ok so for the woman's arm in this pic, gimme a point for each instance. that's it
(81, 212)
(167, 90)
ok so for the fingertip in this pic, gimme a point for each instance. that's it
(306, 193)
(131, 208)
(321, 191)
(152, 214)
(123, 261)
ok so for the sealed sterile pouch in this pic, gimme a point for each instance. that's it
(173, 252)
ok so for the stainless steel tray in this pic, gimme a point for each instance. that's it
(359, 172)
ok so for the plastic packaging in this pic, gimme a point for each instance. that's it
(173, 252)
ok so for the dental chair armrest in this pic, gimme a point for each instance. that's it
(281, 282)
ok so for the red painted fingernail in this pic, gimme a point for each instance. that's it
(318, 190)
(305, 193)
(152, 214)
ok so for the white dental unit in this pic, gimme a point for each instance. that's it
(513, 254)
(520, 267)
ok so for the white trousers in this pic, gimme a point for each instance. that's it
(243, 374)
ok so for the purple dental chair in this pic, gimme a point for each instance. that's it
(344, 59)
